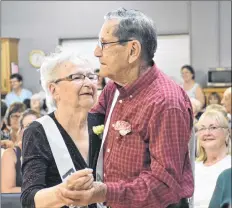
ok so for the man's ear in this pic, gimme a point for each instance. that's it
(134, 51)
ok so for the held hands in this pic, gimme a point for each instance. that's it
(80, 180)
(85, 197)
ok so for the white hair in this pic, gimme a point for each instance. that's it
(37, 96)
(48, 70)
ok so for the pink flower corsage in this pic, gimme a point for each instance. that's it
(123, 127)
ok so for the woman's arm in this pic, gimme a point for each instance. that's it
(200, 96)
(49, 197)
(52, 197)
(8, 172)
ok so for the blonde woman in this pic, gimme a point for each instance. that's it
(213, 154)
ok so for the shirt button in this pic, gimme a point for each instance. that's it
(131, 96)
(108, 150)
(120, 101)
(113, 125)
(104, 175)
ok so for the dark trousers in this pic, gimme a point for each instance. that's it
(182, 204)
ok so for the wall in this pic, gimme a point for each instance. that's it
(39, 25)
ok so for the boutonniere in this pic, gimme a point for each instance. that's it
(123, 127)
(98, 130)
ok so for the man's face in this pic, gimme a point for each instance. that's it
(15, 83)
(226, 101)
(113, 57)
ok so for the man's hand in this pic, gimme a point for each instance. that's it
(85, 197)
(80, 180)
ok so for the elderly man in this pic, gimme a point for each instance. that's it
(148, 122)
(226, 100)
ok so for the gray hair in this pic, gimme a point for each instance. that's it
(133, 24)
(37, 96)
(48, 70)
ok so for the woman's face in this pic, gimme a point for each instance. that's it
(186, 75)
(211, 135)
(78, 92)
(27, 120)
(213, 100)
(35, 104)
(14, 121)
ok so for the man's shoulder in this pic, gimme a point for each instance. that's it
(167, 91)
(9, 94)
(26, 91)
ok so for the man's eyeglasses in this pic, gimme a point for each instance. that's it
(78, 77)
(210, 129)
(102, 45)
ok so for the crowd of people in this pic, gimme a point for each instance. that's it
(141, 158)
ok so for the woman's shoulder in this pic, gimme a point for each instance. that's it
(34, 133)
(9, 154)
(34, 127)
(95, 119)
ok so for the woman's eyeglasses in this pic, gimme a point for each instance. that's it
(80, 77)
(210, 129)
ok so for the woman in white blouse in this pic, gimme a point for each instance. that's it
(213, 151)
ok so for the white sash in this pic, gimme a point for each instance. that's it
(59, 149)
(99, 169)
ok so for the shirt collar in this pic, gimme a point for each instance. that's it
(137, 86)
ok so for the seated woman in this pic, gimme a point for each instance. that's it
(214, 98)
(11, 179)
(192, 88)
(213, 154)
(12, 123)
(37, 103)
(71, 86)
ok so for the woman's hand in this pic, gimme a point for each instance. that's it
(7, 144)
(80, 180)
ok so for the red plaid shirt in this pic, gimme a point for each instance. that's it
(149, 167)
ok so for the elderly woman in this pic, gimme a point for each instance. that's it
(11, 179)
(213, 154)
(36, 104)
(71, 85)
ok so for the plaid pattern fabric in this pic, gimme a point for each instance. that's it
(149, 167)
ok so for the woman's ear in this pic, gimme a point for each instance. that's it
(53, 90)
(134, 51)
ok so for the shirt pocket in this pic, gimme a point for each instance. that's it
(129, 154)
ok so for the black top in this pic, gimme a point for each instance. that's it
(18, 166)
(39, 169)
